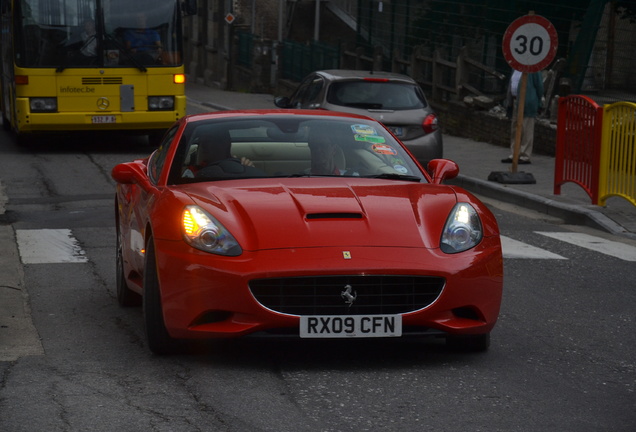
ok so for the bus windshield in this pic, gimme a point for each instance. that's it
(97, 33)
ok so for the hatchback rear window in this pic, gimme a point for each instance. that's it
(376, 95)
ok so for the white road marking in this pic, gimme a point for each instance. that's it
(49, 246)
(598, 244)
(515, 249)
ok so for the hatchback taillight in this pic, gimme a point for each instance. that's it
(430, 123)
(376, 79)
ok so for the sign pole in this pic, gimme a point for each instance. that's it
(521, 102)
(529, 45)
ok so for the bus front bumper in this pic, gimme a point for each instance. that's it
(28, 122)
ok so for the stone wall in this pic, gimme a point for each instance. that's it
(459, 120)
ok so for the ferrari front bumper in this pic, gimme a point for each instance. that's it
(209, 296)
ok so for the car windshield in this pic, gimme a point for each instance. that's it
(289, 146)
(376, 95)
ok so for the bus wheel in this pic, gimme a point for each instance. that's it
(6, 124)
(24, 140)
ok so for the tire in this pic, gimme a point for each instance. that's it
(125, 296)
(159, 340)
(469, 343)
(6, 124)
(24, 140)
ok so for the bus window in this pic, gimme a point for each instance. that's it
(44, 29)
(145, 34)
(100, 33)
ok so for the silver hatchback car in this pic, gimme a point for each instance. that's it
(393, 99)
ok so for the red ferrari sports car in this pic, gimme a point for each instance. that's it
(316, 224)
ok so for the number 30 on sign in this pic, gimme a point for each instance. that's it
(530, 43)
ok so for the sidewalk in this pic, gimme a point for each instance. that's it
(476, 161)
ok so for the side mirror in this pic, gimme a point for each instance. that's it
(442, 169)
(282, 102)
(189, 7)
(131, 173)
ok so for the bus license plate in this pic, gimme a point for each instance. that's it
(104, 119)
(355, 326)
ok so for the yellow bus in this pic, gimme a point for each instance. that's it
(92, 65)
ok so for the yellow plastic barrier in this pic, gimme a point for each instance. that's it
(617, 175)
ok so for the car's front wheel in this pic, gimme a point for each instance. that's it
(125, 296)
(159, 340)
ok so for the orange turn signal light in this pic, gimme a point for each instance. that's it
(190, 225)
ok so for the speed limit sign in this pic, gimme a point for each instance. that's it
(530, 43)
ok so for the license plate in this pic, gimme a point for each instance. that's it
(104, 119)
(354, 326)
(397, 131)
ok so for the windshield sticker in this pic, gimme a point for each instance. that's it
(400, 169)
(376, 139)
(384, 149)
(363, 129)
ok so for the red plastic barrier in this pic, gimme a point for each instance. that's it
(578, 146)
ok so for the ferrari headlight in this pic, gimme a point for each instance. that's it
(462, 230)
(204, 232)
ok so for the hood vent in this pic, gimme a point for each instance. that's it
(334, 216)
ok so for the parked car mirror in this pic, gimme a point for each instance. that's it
(282, 102)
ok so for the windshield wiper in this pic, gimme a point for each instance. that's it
(395, 176)
(311, 175)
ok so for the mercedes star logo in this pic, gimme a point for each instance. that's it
(103, 103)
(349, 297)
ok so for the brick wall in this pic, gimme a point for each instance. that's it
(459, 120)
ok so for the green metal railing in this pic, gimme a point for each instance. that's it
(299, 59)
(245, 49)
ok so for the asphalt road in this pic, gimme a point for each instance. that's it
(563, 354)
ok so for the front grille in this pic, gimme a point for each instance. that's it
(101, 80)
(323, 295)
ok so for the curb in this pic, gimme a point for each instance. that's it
(214, 106)
(18, 335)
(571, 214)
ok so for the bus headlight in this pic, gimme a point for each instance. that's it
(160, 103)
(43, 104)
